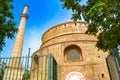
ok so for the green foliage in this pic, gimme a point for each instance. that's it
(26, 75)
(7, 25)
(1, 76)
(103, 16)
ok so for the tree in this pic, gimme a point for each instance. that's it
(7, 25)
(103, 16)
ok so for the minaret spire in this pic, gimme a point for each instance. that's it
(17, 50)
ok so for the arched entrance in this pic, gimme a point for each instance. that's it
(75, 76)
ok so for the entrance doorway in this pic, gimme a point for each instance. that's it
(75, 76)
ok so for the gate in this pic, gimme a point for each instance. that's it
(43, 67)
(113, 63)
(52, 68)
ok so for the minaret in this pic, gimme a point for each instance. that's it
(17, 50)
(14, 67)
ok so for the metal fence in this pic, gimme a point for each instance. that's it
(42, 67)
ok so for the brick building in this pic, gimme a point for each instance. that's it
(75, 52)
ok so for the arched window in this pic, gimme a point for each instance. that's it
(73, 53)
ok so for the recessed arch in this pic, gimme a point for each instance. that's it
(73, 53)
(36, 59)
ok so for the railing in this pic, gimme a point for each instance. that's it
(43, 67)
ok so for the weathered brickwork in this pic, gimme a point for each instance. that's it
(92, 65)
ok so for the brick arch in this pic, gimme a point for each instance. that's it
(73, 53)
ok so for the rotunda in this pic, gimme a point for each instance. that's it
(74, 51)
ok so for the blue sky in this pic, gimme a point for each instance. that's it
(43, 14)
